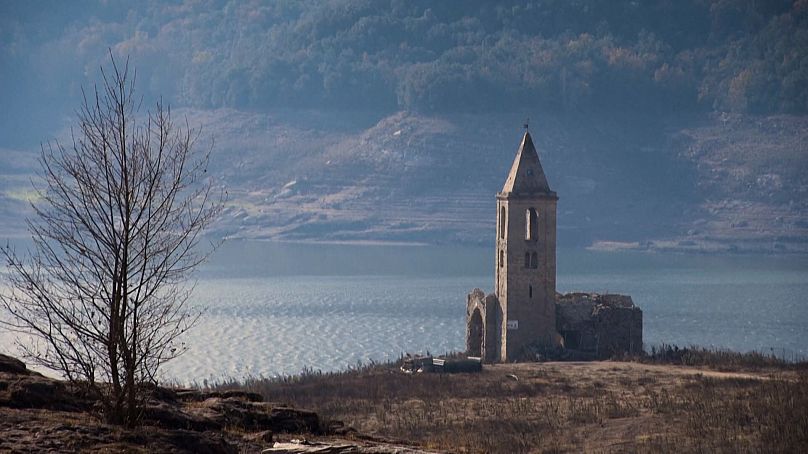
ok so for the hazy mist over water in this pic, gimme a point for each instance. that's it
(275, 308)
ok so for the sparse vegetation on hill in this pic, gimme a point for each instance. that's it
(722, 359)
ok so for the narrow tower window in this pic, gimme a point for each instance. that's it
(534, 260)
(527, 259)
(530, 291)
(531, 224)
(501, 258)
(502, 222)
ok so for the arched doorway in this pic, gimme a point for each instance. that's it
(474, 340)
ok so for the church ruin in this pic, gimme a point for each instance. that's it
(525, 314)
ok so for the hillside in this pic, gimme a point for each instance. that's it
(662, 125)
(744, 56)
(710, 182)
(701, 182)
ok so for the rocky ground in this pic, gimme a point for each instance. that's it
(39, 414)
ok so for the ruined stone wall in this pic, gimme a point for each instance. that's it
(493, 337)
(483, 320)
(619, 330)
(475, 335)
(574, 322)
(605, 325)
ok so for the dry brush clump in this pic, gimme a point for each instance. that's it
(722, 359)
(731, 414)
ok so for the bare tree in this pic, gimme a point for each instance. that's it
(102, 298)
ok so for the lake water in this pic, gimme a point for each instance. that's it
(275, 308)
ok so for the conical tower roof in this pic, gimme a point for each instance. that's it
(526, 175)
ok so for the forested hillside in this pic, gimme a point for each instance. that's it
(676, 121)
(746, 56)
(743, 56)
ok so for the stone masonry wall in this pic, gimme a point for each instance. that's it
(483, 340)
(619, 330)
(605, 325)
(526, 293)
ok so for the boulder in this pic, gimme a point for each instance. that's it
(173, 441)
(340, 447)
(13, 365)
(195, 395)
(36, 391)
(169, 416)
(263, 437)
(256, 416)
(285, 419)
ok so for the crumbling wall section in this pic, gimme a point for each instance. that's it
(606, 325)
(483, 322)
(493, 329)
(475, 323)
(574, 321)
(619, 329)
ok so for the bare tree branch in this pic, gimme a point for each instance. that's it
(103, 294)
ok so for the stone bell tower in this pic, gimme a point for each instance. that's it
(525, 273)
(522, 312)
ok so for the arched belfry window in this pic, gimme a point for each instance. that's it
(534, 260)
(502, 222)
(527, 259)
(531, 224)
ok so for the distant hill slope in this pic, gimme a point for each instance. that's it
(700, 182)
(661, 124)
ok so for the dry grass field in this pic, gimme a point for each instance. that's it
(673, 400)
(722, 405)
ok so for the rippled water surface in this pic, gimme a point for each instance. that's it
(279, 308)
